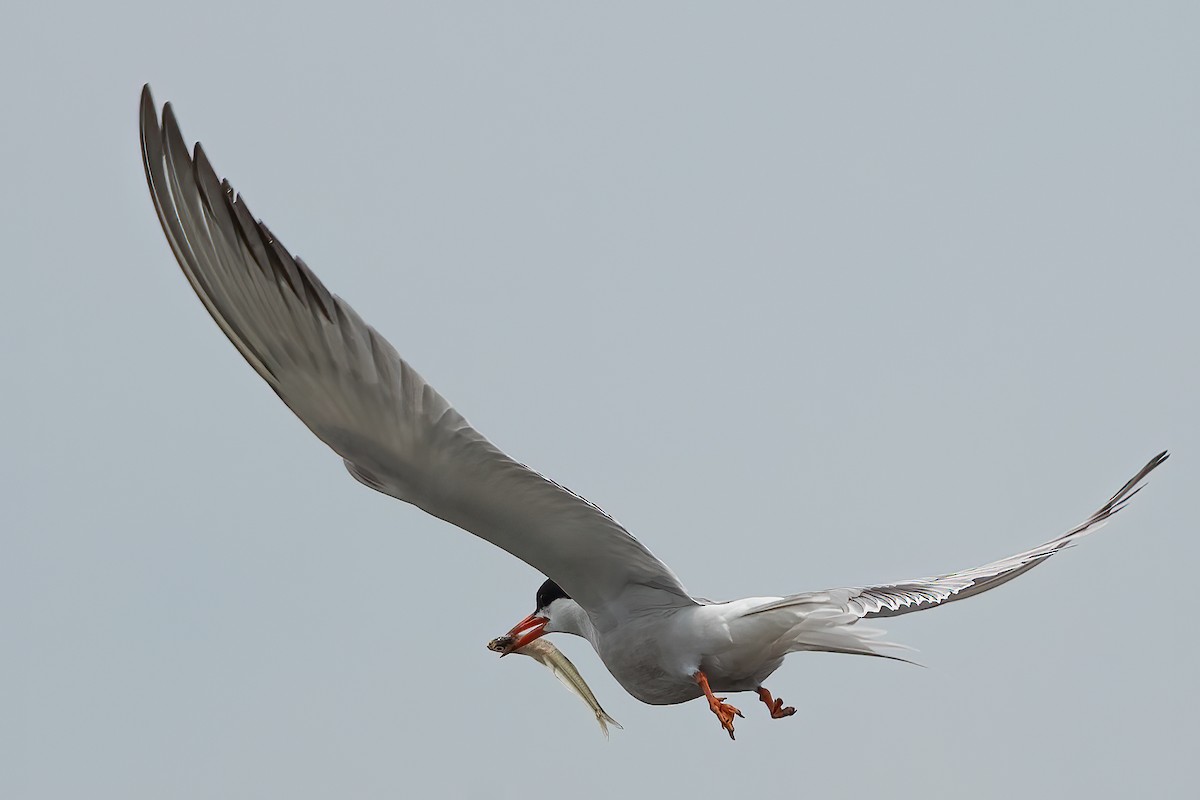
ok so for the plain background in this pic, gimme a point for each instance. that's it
(807, 295)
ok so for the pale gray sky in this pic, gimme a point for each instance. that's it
(805, 295)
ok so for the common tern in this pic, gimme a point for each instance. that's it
(397, 435)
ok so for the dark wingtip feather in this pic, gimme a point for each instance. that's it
(149, 135)
(147, 104)
(320, 297)
(1151, 465)
(1132, 485)
(168, 117)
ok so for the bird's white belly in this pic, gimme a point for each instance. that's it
(647, 670)
(656, 663)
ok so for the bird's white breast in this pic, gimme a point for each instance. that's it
(654, 657)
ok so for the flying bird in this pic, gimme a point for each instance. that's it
(397, 435)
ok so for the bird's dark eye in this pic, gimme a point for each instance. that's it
(548, 592)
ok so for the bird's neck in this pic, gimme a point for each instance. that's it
(574, 620)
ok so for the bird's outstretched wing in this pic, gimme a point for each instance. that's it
(893, 599)
(349, 386)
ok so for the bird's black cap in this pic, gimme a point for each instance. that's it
(548, 592)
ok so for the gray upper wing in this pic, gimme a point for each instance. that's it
(350, 387)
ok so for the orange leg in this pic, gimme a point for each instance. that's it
(723, 710)
(775, 705)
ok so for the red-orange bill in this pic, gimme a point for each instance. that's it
(524, 632)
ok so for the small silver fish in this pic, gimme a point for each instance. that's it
(556, 661)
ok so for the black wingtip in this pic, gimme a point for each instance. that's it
(1154, 463)
(149, 134)
(147, 113)
(168, 116)
(1132, 486)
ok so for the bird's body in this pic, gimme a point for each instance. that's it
(655, 658)
(399, 436)
(654, 655)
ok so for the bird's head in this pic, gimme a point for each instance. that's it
(553, 609)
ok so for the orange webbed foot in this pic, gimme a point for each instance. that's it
(775, 706)
(724, 711)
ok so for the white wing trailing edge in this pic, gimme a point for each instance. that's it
(893, 599)
(344, 381)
